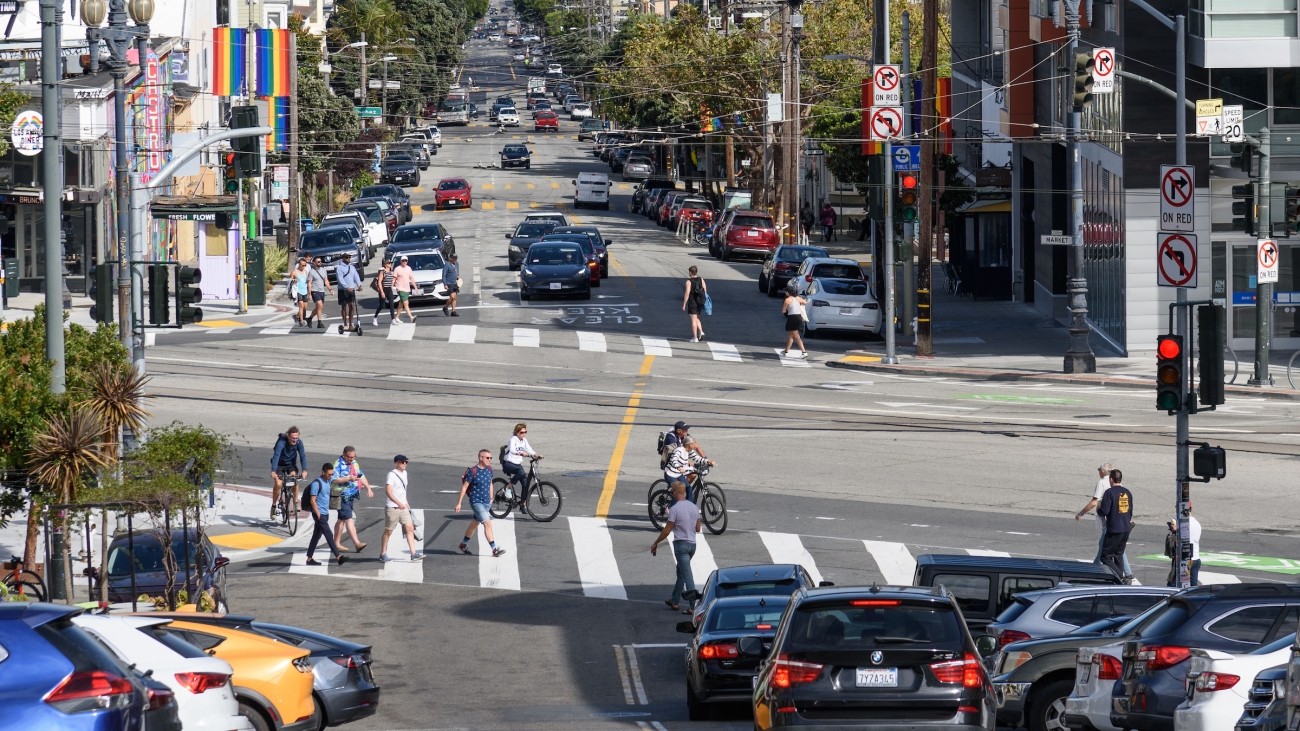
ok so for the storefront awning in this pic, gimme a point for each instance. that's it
(988, 207)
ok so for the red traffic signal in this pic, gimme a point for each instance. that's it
(1171, 380)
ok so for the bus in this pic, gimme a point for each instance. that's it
(454, 110)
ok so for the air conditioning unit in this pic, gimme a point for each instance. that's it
(715, 22)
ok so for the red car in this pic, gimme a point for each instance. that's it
(750, 232)
(546, 120)
(695, 209)
(453, 193)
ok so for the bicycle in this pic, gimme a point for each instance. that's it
(708, 496)
(541, 500)
(21, 581)
(288, 507)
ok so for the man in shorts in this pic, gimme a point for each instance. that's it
(451, 277)
(477, 482)
(318, 282)
(349, 282)
(397, 511)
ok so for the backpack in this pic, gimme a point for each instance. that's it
(309, 495)
(665, 449)
(501, 456)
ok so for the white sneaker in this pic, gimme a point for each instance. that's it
(695, 340)
(803, 354)
(374, 322)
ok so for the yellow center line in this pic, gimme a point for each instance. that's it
(620, 445)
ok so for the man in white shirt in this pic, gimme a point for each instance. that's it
(1103, 484)
(1194, 538)
(397, 510)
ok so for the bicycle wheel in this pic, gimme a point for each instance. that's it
(716, 490)
(714, 514)
(500, 506)
(656, 486)
(27, 584)
(1231, 356)
(292, 522)
(544, 502)
(658, 508)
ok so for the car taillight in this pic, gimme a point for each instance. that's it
(1007, 636)
(199, 682)
(787, 673)
(1159, 657)
(1210, 682)
(1111, 668)
(349, 661)
(160, 697)
(966, 671)
(783, 266)
(90, 690)
(719, 651)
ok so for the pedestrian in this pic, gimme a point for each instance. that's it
(349, 281)
(349, 479)
(828, 219)
(1103, 484)
(451, 280)
(806, 220)
(794, 308)
(318, 283)
(477, 483)
(683, 523)
(513, 462)
(383, 284)
(1194, 538)
(397, 511)
(403, 280)
(319, 502)
(298, 289)
(693, 301)
(1116, 508)
(1171, 552)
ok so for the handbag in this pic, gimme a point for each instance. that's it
(336, 496)
(708, 305)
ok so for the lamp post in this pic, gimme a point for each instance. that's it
(383, 111)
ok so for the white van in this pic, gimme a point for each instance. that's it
(591, 189)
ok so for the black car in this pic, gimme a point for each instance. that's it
(598, 242)
(716, 672)
(588, 250)
(516, 156)
(400, 169)
(762, 579)
(555, 267)
(502, 102)
(1265, 708)
(417, 236)
(863, 658)
(199, 565)
(395, 194)
(525, 235)
(160, 710)
(359, 236)
(330, 244)
(782, 265)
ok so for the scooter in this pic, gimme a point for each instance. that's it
(356, 328)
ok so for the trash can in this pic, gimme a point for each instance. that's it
(255, 255)
(11, 278)
(282, 234)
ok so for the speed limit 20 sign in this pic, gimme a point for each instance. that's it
(1233, 118)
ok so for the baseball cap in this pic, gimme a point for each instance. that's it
(681, 425)
(405, 259)
(401, 458)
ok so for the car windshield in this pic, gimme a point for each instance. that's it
(799, 253)
(580, 239)
(451, 185)
(516, 150)
(330, 237)
(507, 110)
(844, 626)
(737, 619)
(400, 158)
(752, 221)
(338, 223)
(416, 233)
(837, 271)
(1140, 621)
(537, 229)
(847, 287)
(785, 586)
(689, 203)
(554, 255)
(148, 555)
(424, 262)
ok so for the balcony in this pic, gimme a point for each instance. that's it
(1244, 33)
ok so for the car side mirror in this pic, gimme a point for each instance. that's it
(686, 628)
(221, 562)
(986, 645)
(510, 236)
(609, 241)
(751, 646)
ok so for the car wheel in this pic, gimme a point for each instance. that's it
(773, 289)
(725, 254)
(1047, 705)
(529, 166)
(607, 205)
(587, 295)
(695, 708)
(318, 713)
(597, 282)
(254, 716)
(523, 295)
(762, 283)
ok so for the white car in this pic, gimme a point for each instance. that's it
(556, 216)
(570, 101)
(204, 698)
(841, 304)
(376, 231)
(507, 117)
(580, 111)
(427, 264)
(530, 38)
(554, 68)
(1095, 671)
(1219, 684)
(495, 38)
(518, 56)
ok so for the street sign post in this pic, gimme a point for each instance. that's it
(1234, 116)
(885, 123)
(1267, 255)
(886, 86)
(907, 158)
(369, 112)
(1056, 240)
(1103, 70)
(1177, 198)
(1176, 260)
(1209, 117)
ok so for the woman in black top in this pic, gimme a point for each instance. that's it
(383, 284)
(693, 302)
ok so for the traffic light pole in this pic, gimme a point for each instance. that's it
(891, 307)
(1264, 292)
(1079, 357)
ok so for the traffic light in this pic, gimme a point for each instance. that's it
(1277, 211)
(907, 198)
(187, 294)
(1083, 64)
(229, 173)
(1291, 218)
(159, 294)
(101, 292)
(1211, 339)
(1170, 383)
(1243, 156)
(248, 153)
(1243, 209)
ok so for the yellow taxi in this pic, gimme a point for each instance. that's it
(272, 680)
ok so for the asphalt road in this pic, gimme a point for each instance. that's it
(852, 474)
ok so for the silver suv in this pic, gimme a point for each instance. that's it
(1052, 612)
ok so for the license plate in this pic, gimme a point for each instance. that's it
(877, 677)
(752, 233)
(555, 285)
(846, 310)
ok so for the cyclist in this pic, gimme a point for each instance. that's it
(289, 455)
(682, 464)
(513, 464)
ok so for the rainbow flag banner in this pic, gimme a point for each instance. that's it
(273, 62)
(277, 115)
(229, 60)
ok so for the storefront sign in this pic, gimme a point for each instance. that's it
(10, 7)
(153, 117)
(210, 217)
(92, 93)
(28, 133)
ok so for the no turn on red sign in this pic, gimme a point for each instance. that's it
(1103, 70)
(886, 86)
(1267, 255)
(1176, 260)
(1177, 198)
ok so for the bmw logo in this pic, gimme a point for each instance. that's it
(877, 657)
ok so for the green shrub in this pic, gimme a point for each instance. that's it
(276, 260)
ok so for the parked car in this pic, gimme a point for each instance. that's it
(555, 268)
(691, 208)
(716, 672)
(199, 563)
(525, 235)
(425, 144)
(516, 156)
(599, 243)
(1219, 684)
(781, 265)
(375, 227)
(871, 657)
(1087, 708)
(376, 210)
(664, 205)
(453, 193)
(748, 232)
(589, 128)
(546, 121)
(330, 244)
(55, 675)
(419, 236)
(764, 579)
(827, 267)
(637, 167)
(846, 305)
(431, 132)
(161, 713)
(395, 194)
(1265, 708)
(399, 168)
(1055, 611)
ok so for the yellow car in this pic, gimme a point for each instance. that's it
(272, 680)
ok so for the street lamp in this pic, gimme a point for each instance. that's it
(383, 110)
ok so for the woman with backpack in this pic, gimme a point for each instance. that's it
(512, 459)
(693, 302)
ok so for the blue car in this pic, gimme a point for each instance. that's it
(53, 675)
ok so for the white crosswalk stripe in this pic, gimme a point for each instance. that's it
(499, 572)
(462, 334)
(986, 552)
(527, 337)
(702, 563)
(894, 560)
(788, 548)
(792, 360)
(593, 342)
(724, 352)
(1210, 577)
(400, 567)
(657, 346)
(401, 331)
(597, 568)
(276, 330)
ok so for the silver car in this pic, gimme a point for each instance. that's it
(1052, 612)
(638, 168)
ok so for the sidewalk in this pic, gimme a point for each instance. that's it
(24, 306)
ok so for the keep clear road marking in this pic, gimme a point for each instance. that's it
(597, 567)
(462, 334)
(527, 337)
(657, 346)
(594, 342)
(894, 561)
(787, 548)
(702, 563)
(624, 434)
(401, 567)
(793, 361)
(983, 552)
(499, 572)
(725, 352)
(401, 330)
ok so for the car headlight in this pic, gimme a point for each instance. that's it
(1279, 689)
(581, 273)
(527, 272)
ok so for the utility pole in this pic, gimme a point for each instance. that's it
(929, 184)
(787, 130)
(295, 178)
(365, 82)
(52, 177)
(891, 287)
(795, 122)
(1263, 292)
(1079, 357)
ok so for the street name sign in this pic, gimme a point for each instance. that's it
(1268, 256)
(1056, 240)
(369, 112)
(1103, 70)
(1176, 260)
(1177, 198)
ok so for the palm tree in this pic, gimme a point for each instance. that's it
(61, 457)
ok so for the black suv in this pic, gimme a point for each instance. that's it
(399, 168)
(395, 194)
(1231, 618)
(877, 657)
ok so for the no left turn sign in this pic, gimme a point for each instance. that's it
(886, 123)
(1176, 260)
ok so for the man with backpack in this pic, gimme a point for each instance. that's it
(477, 482)
(316, 498)
(289, 455)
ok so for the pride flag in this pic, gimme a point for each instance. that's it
(229, 60)
(277, 114)
(273, 62)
